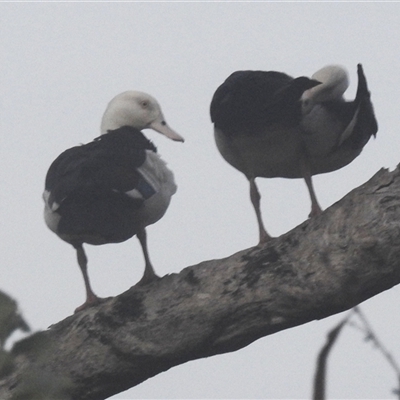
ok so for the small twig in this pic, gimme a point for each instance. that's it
(320, 375)
(370, 335)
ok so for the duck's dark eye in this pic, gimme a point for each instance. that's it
(163, 123)
(144, 103)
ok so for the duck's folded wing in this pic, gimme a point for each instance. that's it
(254, 99)
(90, 169)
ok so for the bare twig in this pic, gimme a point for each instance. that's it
(371, 336)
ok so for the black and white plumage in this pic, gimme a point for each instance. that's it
(267, 124)
(110, 189)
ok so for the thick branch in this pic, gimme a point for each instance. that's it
(326, 265)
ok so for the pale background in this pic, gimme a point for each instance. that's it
(61, 64)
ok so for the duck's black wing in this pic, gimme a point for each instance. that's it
(250, 100)
(109, 162)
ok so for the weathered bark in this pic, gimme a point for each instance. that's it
(326, 265)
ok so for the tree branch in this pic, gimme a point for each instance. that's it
(326, 265)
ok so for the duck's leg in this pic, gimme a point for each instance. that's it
(315, 207)
(91, 298)
(255, 199)
(149, 274)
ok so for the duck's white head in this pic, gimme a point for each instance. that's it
(138, 110)
(334, 82)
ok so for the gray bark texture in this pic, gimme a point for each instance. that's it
(326, 265)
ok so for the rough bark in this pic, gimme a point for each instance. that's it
(324, 266)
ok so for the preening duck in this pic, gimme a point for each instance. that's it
(110, 189)
(268, 124)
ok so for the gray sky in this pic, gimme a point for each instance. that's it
(61, 64)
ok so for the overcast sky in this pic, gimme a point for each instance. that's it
(62, 63)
